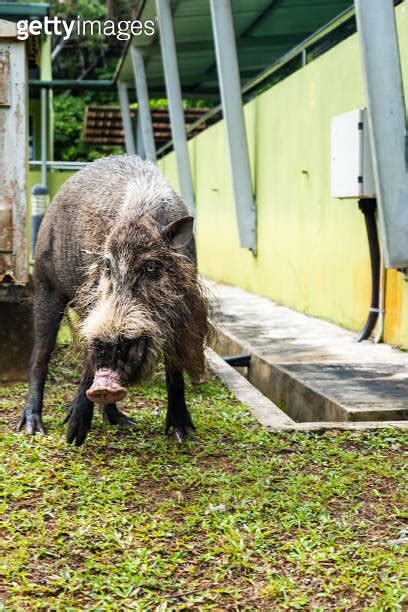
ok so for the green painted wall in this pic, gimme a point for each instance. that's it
(34, 105)
(54, 179)
(46, 75)
(312, 249)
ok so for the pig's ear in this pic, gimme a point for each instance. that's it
(179, 233)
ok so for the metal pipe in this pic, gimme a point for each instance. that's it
(381, 301)
(231, 99)
(143, 104)
(126, 120)
(387, 123)
(57, 164)
(43, 144)
(155, 92)
(39, 205)
(173, 88)
(72, 83)
(368, 208)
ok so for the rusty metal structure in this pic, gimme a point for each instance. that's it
(15, 292)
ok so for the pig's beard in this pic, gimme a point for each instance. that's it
(174, 317)
(131, 374)
(115, 318)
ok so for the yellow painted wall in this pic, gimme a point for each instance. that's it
(312, 249)
(54, 180)
(34, 104)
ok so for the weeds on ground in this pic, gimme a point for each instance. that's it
(239, 518)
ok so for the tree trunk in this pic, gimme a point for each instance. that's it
(110, 12)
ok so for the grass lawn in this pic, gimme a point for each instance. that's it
(237, 519)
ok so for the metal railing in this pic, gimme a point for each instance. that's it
(57, 165)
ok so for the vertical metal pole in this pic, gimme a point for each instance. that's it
(231, 99)
(126, 120)
(50, 102)
(140, 150)
(387, 123)
(143, 110)
(173, 88)
(44, 99)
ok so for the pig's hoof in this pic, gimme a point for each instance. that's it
(181, 434)
(31, 422)
(79, 424)
(112, 416)
(179, 427)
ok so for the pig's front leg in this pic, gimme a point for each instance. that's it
(178, 419)
(80, 413)
(49, 307)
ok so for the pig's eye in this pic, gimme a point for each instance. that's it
(152, 269)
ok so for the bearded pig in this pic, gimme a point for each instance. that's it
(117, 246)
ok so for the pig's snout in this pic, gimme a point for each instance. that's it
(118, 364)
(106, 387)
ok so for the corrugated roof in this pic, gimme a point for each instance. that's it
(265, 31)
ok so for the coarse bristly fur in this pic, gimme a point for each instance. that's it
(104, 228)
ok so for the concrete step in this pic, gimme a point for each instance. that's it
(311, 369)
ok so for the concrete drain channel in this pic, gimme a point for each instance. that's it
(281, 398)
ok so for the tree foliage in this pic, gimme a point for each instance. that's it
(84, 57)
(88, 57)
(81, 57)
(69, 114)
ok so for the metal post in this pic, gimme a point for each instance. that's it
(143, 110)
(231, 99)
(387, 123)
(140, 150)
(44, 110)
(173, 88)
(126, 120)
(51, 125)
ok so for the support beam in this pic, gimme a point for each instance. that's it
(140, 150)
(44, 113)
(387, 123)
(126, 120)
(231, 99)
(143, 110)
(173, 88)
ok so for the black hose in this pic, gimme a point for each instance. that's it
(368, 208)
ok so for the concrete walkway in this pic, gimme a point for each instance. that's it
(312, 369)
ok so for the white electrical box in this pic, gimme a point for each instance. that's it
(351, 167)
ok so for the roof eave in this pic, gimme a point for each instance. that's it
(28, 10)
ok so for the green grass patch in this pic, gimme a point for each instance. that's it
(236, 519)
